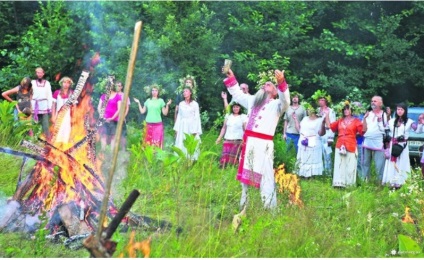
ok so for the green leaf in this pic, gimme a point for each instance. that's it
(408, 247)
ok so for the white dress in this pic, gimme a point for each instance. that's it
(309, 158)
(396, 170)
(64, 129)
(188, 122)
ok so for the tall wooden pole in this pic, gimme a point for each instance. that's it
(128, 81)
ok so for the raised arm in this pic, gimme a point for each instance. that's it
(140, 108)
(224, 99)
(165, 109)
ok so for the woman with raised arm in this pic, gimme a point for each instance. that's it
(154, 106)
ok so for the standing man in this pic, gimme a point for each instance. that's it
(290, 133)
(257, 156)
(42, 100)
(374, 125)
(327, 139)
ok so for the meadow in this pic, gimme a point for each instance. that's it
(200, 199)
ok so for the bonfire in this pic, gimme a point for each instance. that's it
(66, 184)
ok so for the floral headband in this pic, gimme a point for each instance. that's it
(148, 89)
(264, 77)
(182, 85)
(309, 107)
(355, 107)
(321, 94)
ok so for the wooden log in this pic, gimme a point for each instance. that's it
(121, 213)
(69, 215)
(128, 81)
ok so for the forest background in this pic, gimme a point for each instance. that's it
(350, 49)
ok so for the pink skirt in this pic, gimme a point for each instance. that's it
(154, 134)
(231, 151)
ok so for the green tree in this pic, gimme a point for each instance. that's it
(50, 42)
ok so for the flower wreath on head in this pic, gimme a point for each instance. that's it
(182, 85)
(295, 93)
(309, 107)
(148, 89)
(321, 94)
(355, 107)
(264, 77)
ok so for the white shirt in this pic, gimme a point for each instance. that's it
(234, 125)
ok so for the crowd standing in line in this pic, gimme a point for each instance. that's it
(363, 139)
(154, 106)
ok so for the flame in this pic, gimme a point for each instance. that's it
(57, 76)
(132, 247)
(288, 182)
(71, 171)
(407, 218)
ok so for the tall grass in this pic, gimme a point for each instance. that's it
(200, 200)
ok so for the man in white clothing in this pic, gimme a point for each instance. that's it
(374, 124)
(42, 100)
(256, 161)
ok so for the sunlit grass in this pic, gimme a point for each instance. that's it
(201, 200)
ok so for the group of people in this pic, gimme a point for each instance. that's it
(248, 137)
(362, 138)
(36, 100)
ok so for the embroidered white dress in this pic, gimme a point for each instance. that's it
(309, 157)
(256, 166)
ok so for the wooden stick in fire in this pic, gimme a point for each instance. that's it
(128, 81)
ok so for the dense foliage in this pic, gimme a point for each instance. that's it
(367, 47)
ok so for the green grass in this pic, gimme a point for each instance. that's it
(201, 199)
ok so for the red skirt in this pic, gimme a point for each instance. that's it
(231, 151)
(154, 134)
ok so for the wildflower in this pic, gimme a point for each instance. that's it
(369, 217)
(393, 252)
(348, 228)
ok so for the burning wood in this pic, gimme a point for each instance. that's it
(66, 183)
